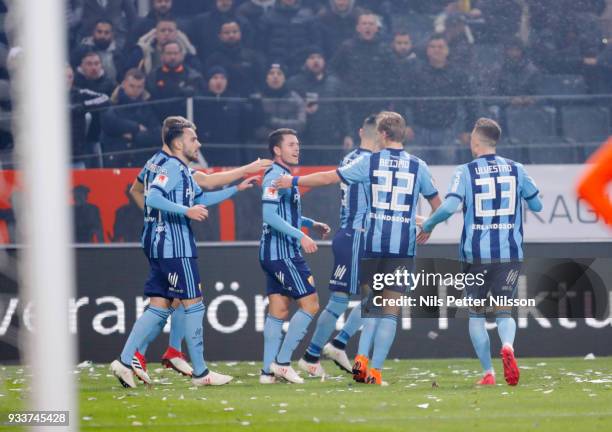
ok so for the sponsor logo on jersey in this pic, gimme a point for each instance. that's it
(270, 193)
(161, 180)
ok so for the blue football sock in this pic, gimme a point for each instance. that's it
(298, 326)
(273, 336)
(142, 349)
(480, 341)
(385, 335)
(351, 326)
(194, 337)
(367, 336)
(506, 328)
(326, 324)
(148, 322)
(177, 328)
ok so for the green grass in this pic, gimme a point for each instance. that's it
(553, 395)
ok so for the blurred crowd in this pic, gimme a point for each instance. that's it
(319, 67)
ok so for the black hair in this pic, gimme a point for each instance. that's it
(103, 21)
(276, 138)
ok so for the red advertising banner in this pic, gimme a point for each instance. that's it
(101, 194)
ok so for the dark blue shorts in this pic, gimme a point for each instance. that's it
(290, 277)
(348, 251)
(173, 278)
(500, 279)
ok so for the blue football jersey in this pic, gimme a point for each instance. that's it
(355, 198)
(168, 235)
(397, 179)
(275, 245)
(492, 188)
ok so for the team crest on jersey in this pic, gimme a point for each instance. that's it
(161, 180)
(270, 193)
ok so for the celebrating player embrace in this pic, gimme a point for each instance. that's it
(395, 180)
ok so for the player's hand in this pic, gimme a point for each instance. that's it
(308, 244)
(248, 183)
(197, 213)
(322, 229)
(283, 182)
(256, 166)
(419, 220)
(422, 237)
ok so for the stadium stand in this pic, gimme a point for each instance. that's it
(544, 71)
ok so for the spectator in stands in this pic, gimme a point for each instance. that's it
(277, 106)
(286, 31)
(221, 121)
(518, 75)
(495, 20)
(160, 9)
(402, 68)
(103, 43)
(243, 65)
(82, 101)
(130, 124)
(173, 79)
(120, 14)
(572, 48)
(205, 28)
(147, 55)
(189, 8)
(460, 41)
(436, 121)
(327, 123)
(91, 75)
(604, 62)
(360, 64)
(253, 10)
(338, 22)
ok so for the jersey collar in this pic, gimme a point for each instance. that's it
(282, 167)
(363, 150)
(487, 156)
(180, 161)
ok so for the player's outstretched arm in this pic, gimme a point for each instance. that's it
(220, 179)
(534, 203)
(443, 212)
(319, 227)
(272, 218)
(137, 193)
(323, 178)
(212, 198)
(156, 200)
